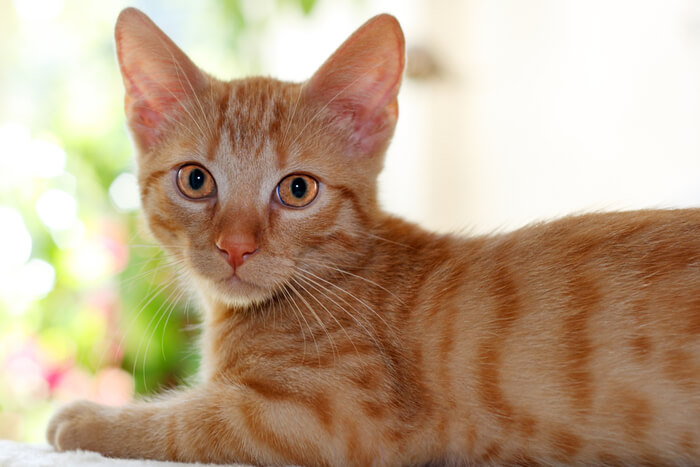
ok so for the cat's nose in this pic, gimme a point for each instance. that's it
(236, 248)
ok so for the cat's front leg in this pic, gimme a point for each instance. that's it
(214, 423)
(188, 426)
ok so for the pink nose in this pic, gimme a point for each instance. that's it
(236, 248)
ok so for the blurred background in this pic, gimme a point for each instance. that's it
(511, 112)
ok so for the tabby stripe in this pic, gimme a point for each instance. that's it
(636, 412)
(316, 402)
(298, 453)
(640, 343)
(508, 308)
(584, 301)
(682, 369)
(215, 139)
(150, 180)
(350, 195)
(566, 444)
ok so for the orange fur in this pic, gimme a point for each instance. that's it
(350, 337)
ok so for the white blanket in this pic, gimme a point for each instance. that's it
(14, 454)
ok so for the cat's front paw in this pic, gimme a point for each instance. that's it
(78, 425)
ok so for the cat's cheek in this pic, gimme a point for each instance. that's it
(174, 220)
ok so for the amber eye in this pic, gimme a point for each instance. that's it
(194, 181)
(297, 190)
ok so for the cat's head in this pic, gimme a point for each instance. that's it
(257, 183)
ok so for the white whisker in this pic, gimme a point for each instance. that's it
(167, 319)
(298, 294)
(148, 326)
(301, 327)
(180, 73)
(323, 291)
(310, 284)
(141, 306)
(359, 300)
(369, 234)
(342, 271)
(294, 110)
(152, 270)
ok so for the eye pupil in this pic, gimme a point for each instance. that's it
(297, 190)
(197, 179)
(298, 187)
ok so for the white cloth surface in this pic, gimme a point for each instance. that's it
(13, 454)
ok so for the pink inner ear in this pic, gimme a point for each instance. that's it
(147, 117)
(371, 133)
(144, 122)
(157, 75)
(361, 80)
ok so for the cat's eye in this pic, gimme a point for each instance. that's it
(297, 190)
(195, 182)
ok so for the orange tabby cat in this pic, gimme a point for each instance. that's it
(335, 334)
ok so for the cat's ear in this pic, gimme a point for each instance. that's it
(360, 83)
(157, 75)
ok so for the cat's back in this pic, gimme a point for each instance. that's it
(577, 339)
(650, 256)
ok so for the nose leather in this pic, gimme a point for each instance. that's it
(236, 248)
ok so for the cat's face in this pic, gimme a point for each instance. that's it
(258, 183)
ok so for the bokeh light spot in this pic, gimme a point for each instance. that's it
(46, 159)
(57, 209)
(15, 240)
(124, 192)
(37, 278)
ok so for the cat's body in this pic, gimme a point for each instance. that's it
(348, 337)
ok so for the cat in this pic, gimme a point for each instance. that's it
(337, 334)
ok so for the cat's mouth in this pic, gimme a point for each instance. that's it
(234, 289)
(240, 286)
(235, 282)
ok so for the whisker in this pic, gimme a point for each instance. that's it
(148, 326)
(167, 319)
(144, 263)
(313, 336)
(294, 110)
(154, 245)
(393, 242)
(148, 298)
(323, 291)
(205, 120)
(369, 281)
(301, 328)
(331, 341)
(181, 72)
(362, 302)
(170, 303)
(308, 282)
(152, 270)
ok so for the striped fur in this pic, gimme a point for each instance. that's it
(354, 338)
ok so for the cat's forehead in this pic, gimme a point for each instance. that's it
(245, 143)
(252, 113)
(264, 122)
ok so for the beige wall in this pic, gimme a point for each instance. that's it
(542, 107)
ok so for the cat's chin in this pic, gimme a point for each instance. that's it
(232, 291)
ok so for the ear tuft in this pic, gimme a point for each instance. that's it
(360, 82)
(158, 76)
